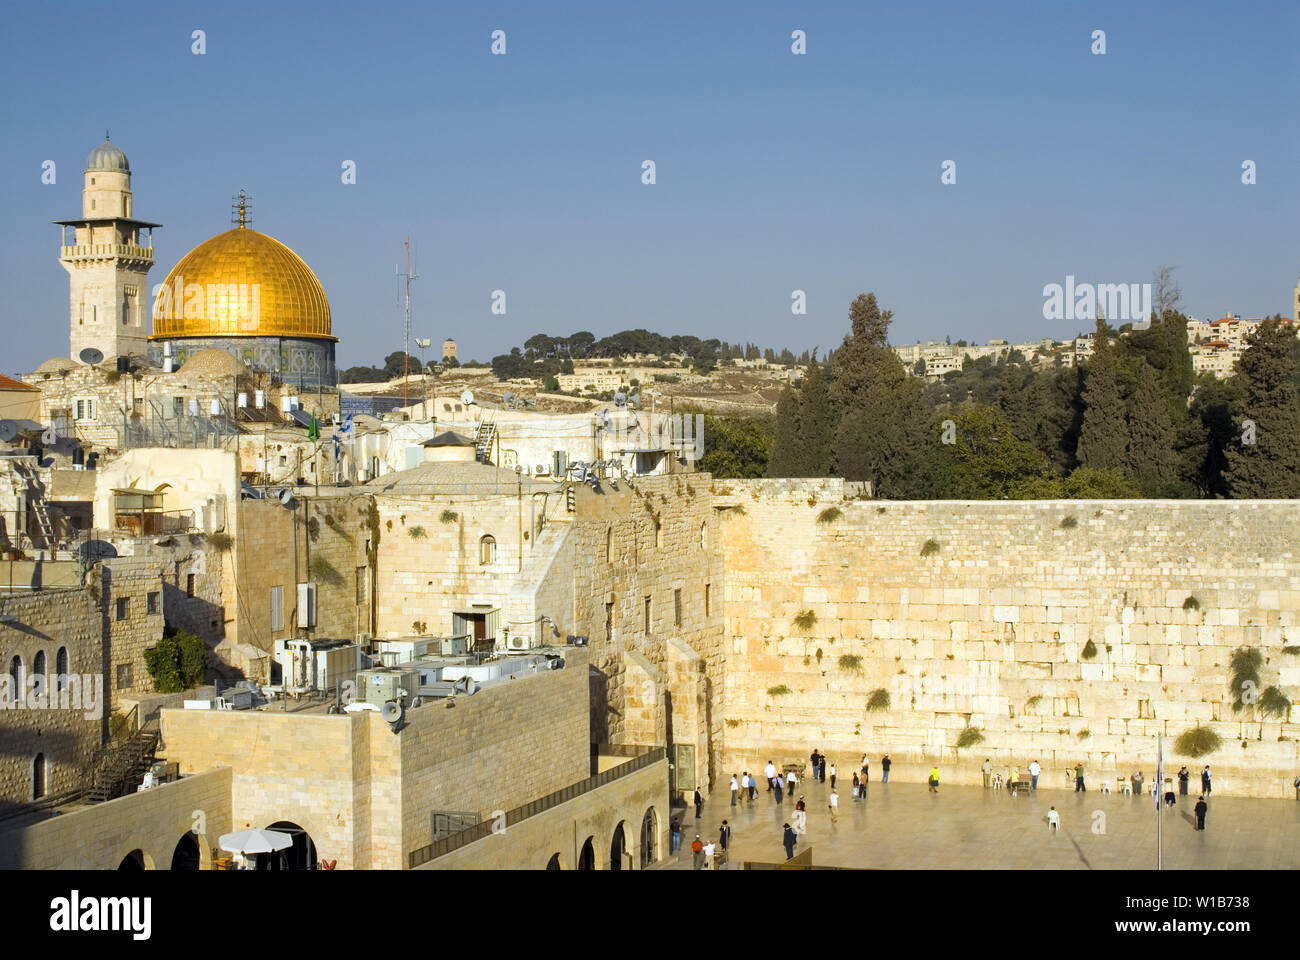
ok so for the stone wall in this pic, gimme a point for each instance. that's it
(65, 731)
(563, 830)
(1063, 630)
(153, 821)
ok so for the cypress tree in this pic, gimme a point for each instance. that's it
(1270, 466)
(1103, 440)
(816, 425)
(785, 443)
(1152, 459)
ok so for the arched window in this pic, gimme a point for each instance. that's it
(61, 669)
(487, 549)
(38, 662)
(16, 673)
(609, 544)
(704, 536)
(659, 535)
(39, 685)
(38, 776)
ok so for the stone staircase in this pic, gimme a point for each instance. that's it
(124, 764)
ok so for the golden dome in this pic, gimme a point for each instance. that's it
(241, 283)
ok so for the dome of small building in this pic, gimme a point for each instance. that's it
(213, 363)
(107, 156)
(56, 366)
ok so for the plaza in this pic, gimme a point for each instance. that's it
(902, 826)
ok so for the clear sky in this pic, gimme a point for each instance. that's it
(775, 172)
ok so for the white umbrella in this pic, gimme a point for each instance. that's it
(255, 841)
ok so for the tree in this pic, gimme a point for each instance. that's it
(1165, 292)
(1152, 459)
(1264, 459)
(816, 424)
(785, 439)
(736, 446)
(1103, 441)
(397, 364)
(988, 462)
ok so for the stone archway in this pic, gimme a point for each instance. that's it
(191, 852)
(554, 863)
(301, 856)
(617, 847)
(649, 838)
(137, 859)
(587, 857)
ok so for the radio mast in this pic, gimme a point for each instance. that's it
(407, 277)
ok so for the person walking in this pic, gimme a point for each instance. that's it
(1201, 808)
(735, 789)
(835, 806)
(816, 759)
(1053, 820)
(866, 771)
(788, 840)
(709, 851)
(770, 772)
(1136, 780)
(934, 779)
(823, 776)
(776, 785)
(987, 769)
(791, 781)
(697, 853)
(1205, 780)
(724, 837)
(856, 783)
(1183, 777)
(884, 768)
(1034, 771)
(675, 836)
(699, 803)
(800, 817)
(1297, 787)
(833, 775)
(1078, 779)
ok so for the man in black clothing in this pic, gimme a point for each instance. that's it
(1183, 777)
(1200, 813)
(788, 839)
(724, 836)
(884, 767)
(816, 759)
(699, 804)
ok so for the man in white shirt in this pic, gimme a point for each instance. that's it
(832, 775)
(835, 805)
(1034, 771)
(735, 789)
(770, 772)
(1053, 819)
(709, 850)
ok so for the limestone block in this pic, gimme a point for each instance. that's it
(1006, 614)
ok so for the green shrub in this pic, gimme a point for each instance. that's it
(829, 515)
(1085, 734)
(1089, 650)
(323, 571)
(449, 516)
(1069, 523)
(221, 540)
(1033, 702)
(416, 533)
(1244, 665)
(1291, 651)
(1274, 703)
(969, 738)
(879, 700)
(850, 663)
(780, 690)
(818, 654)
(177, 662)
(1197, 742)
(931, 548)
(806, 620)
(1191, 603)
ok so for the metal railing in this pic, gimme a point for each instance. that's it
(440, 848)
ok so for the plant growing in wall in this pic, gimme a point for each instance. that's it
(829, 515)
(323, 571)
(806, 620)
(419, 627)
(818, 654)
(850, 663)
(780, 690)
(931, 548)
(177, 661)
(1191, 603)
(969, 738)
(878, 701)
(1274, 703)
(1089, 650)
(1033, 702)
(1070, 522)
(221, 540)
(1291, 651)
(1085, 734)
(1197, 742)
(449, 516)
(1244, 666)
(416, 532)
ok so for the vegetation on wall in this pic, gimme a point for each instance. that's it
(806, 620)
(850, 663)
(930, 548)
(323, 571)
(1244, 666)
(879, 700)
(449, 516)
(780, 690)
(969, 738)
(1089, 650)
(1197, 742)
(177, 662)
(829, 515)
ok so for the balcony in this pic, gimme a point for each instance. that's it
(107, 251)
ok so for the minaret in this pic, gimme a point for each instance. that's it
(108, 269)
(1295, 315)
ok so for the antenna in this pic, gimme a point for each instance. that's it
(407, 277)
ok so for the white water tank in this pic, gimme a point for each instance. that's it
(259, 399)
(241, 401)
(286, 404)
(214, 407)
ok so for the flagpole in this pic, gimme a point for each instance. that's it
(1160, 786)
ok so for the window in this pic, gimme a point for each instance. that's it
(189, 584)
(38, 663)
(178, 406)
(677, 607)
(704, 536)
(16, 673)
(125, 676)
(487, 550)
(85, 409)
(609, 622)
(647, 616)
(277, 608)
(153, 602)
(609, 544)
(123, 608)
(707, 591)
(61, 669)
(659, 535)
(39, 783)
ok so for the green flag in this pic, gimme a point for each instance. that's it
(313, 432)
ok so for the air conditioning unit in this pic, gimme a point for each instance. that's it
(519, 643)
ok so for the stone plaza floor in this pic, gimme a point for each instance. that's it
(904, 826)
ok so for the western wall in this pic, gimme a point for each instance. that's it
(1067, 631)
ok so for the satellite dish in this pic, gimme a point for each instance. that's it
(391, 711)
(510, 398)
(91, 355)
(620, 399)
(93, 551)
(8, 431)
(467, 397)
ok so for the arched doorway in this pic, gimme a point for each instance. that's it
(301, 856)
(187, 855)
(136, 860)
(554, 862)
(587, 859)
(649, 838)
(616, 848)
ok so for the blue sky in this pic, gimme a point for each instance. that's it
(775, 172)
